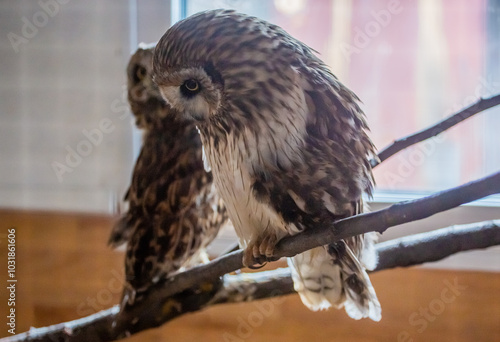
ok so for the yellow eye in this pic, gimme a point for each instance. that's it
(140, 72)
(192, 86)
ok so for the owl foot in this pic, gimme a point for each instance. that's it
(260, 251)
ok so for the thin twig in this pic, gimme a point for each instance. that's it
(401, 144)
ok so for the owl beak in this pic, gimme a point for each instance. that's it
(197, 116)
(198, 109)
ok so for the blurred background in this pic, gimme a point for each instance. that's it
(68, 143)
(411, 63)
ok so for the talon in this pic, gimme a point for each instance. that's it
(258, 267)
(270, 246)
(260, 251)
(248, 259)
(256, 252)
(263, 246)
(262, 260)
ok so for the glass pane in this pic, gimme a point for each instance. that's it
(412, 64)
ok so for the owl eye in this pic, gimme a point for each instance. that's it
(140, 73)
(190, 87)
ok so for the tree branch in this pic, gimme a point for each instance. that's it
(374, 221)
(436, 245)
(401, 144)
(193, 289)
(396, 214)
(402, 252)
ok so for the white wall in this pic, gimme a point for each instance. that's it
(63, 73)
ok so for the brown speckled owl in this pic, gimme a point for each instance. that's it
(286, 141)
(174, 211)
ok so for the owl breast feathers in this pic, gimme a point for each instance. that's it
(174, 211)
(286, 141)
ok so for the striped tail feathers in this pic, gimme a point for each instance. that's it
(317, 279)
(333, 276)
(361, 300)
(367, 254)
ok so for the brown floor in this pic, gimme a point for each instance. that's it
(65, 271)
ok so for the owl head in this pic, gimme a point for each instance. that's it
(219, 62)
(144, 98)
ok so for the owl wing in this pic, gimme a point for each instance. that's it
(174, 210)
(327, 182)
(125, 226)
(148, 178)
(167, 241)
(337, 123)
(326, 185)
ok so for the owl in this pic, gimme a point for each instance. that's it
(286, 142)
(174, 210)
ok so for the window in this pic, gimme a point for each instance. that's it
(412, 64)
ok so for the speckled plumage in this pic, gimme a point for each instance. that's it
(174, 211)
(286, 142)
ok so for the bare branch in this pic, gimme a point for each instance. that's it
(396, 214)
(193, 290)
(96, 327)
(402, 252)
(401, 144)
(437, 244)
(375, 221)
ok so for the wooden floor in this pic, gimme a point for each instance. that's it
(65, 271)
